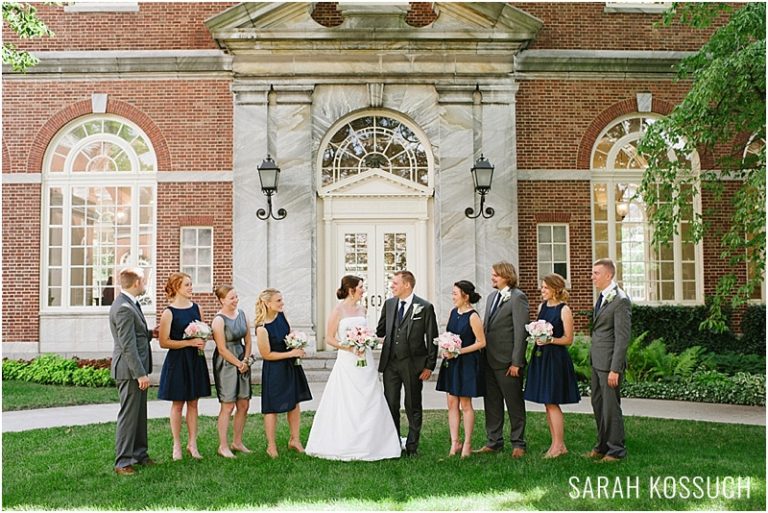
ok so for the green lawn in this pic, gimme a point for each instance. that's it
(22, 395)
(71, 468)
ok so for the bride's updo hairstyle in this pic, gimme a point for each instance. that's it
(348, 282)
(468, 288)
(265, 296)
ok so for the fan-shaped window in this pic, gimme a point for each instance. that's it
(621, 231)
(375, 141)
(97, 225)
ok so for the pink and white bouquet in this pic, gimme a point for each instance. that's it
(540, 332)
(296, 340)
(359, 338)
(198, 329)
(449, 345)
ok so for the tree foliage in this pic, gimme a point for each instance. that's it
(22, 19)
(725, 108)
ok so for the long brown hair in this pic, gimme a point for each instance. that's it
(557, 283)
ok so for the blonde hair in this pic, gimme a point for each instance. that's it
(174, 283)
(608, 264)
(557, 283)
(129, 276)
(265, 296)
(506, 271)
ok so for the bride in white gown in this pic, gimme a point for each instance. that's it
(352, 421)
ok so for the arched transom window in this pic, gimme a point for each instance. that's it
(375, 141)
(665, 273)
(100, 215)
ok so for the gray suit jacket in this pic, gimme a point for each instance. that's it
(505, 331)
(132, 356)
(421, 330)
(611, 328)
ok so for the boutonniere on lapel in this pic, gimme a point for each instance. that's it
(417, 308)
(609, 296)
(505, 295)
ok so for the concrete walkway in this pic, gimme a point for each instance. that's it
(433, 400)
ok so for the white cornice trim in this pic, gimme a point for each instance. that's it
(600, 62)
(194, 176)
(536, 175)
(127, 62)
(16, 178)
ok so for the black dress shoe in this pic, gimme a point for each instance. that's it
(147, 463)
(410, 453)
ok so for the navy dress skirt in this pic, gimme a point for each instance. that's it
(185, 374)
(283, 384)
(461, 376)
(551, 378)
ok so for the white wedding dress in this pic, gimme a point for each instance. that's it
(353, 421)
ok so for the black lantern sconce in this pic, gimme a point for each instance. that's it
(482, 175)
(269, 174)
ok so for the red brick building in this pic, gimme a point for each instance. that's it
(137, 138)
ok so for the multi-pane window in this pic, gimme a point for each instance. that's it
(552, 244)
(197, 256)
(621, 231)
(93, 231)
(752, 156)
(375, 141)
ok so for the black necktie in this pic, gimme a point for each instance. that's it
(401, 313)
(495, 304)
(599, 302)
(138, 305)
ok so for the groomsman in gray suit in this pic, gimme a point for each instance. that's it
(611, 327)
(408, 355)
(131, 365)
(506, 315)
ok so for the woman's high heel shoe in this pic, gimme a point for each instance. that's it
(223, 454)
(297, 448)
(240, 448)
(177, 455)
(455, 448)
(272, 453)
(195, 454)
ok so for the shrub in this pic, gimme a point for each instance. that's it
(753, 330)
(12, 368)
(92, 377)
(100, 363)
(49, 369)
(579, 352)
(730, 363)
(679, 327)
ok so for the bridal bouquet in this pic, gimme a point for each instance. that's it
(198, 329)
(360, 337)
(296, 340)
(449, 344)
(540, 332)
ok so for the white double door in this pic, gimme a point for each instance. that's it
(374, 251)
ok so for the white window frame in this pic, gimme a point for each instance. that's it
(551, 243)
(637, 7)
(68, 180)
(196, 285)
(761, 300)
(611, 177)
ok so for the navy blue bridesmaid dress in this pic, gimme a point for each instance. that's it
(462, 376)
(283, 384)
(551, 378)
(185, 373)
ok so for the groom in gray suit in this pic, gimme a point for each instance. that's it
(408, 356)
(131, 365)
(506, 315)
(611, 328)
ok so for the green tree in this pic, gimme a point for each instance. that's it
(22, 19)
(724, 108)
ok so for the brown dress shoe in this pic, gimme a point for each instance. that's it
(594, 455)
(148, 462)
(518, 452)
(125, 471)
(609, 459)
(485, 450)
